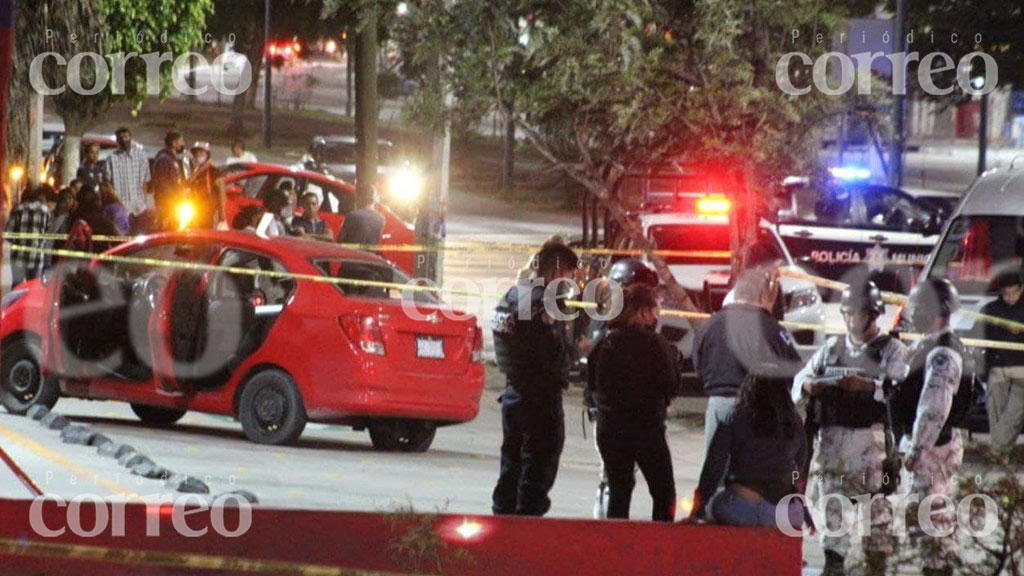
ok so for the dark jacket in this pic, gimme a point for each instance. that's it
(632, 375)
(990, 331)
(362, 226)
(532, 352)
(766, 464)
(737, 339)
(168, 174)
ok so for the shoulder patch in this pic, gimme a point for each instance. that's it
(786, 337)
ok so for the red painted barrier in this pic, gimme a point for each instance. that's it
(321, 542)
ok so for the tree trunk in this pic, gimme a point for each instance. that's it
(34, 162)
(366, 107)
(509, 156)
(70, 156)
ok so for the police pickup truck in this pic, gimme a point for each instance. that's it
(844, 222)
(695, 246)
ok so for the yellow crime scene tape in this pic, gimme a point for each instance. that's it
(832, 284)
(176, 560)
(450, 246)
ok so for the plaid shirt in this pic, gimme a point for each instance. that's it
(29, 218)
(129, 172)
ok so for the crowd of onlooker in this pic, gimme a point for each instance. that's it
(128, 194)
(124, 194)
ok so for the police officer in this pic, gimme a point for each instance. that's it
(927, 405)
(632, 375)
(841, 390)
(624, 274)
(533, 349)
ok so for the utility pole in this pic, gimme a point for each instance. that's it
(899, 100)
(266, 73)
(350, 68)
(983, 131)
(366, 106)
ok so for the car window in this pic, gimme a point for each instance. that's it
(252, 185)
(890, 210)
(705, 243)
(340, 153)
(370, 272)
(273, 290)
(176, 252)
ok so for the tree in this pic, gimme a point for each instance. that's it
(604, 87)
(106, 27)
(997, 24)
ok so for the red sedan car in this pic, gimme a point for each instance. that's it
(251, 342)
(250, 183)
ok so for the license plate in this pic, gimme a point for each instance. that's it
(429, 348)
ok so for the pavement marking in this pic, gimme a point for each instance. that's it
(46, 453)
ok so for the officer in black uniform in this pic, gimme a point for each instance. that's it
(841, 388)
(533, 349)
(625, 273)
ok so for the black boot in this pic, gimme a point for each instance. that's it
(833, 564)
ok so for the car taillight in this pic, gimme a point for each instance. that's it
(364, 332)
(478, 344)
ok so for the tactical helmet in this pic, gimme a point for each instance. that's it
(632, 270)
(931, 299)
(865, 297)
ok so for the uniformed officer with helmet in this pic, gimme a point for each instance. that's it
(533, 348)
(928, 405)
(841, 388)
(624, 273)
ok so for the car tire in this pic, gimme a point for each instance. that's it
(402, 435)
(157, 416)
(22, 384)
(271, 409)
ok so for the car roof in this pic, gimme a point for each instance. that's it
(267, 168)
(283, 248)
(997, 192)
(348, 139)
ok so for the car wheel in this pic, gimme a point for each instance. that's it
(22, 384)
(156, 416)
(271, 408)
(402, 435)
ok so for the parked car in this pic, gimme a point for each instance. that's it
(984, 238)
(271, 350)
(837, 226)
(250, 185)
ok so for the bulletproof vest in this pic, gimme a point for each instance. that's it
(521, 338)
(837, 407)
(908, 394)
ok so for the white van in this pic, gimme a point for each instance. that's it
(984, 238)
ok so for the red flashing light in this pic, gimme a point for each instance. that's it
(713, 206)
(272, 49)
(297, 47)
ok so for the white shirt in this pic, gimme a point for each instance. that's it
(245, 157)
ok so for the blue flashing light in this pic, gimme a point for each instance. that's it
(849, 173)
